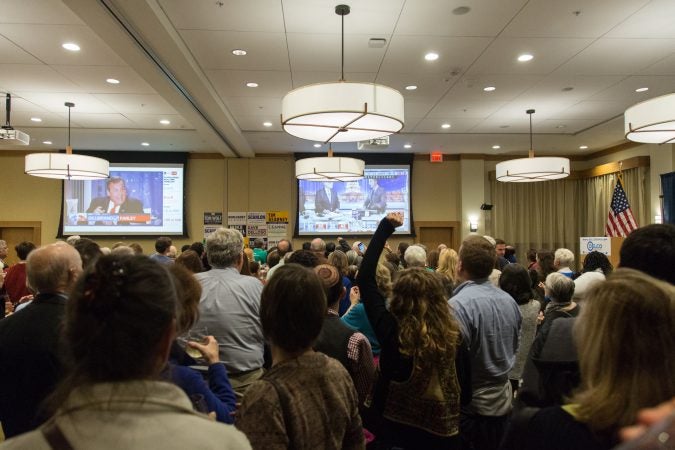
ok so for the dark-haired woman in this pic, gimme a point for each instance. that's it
(306, 400)
(516, 282)
(119, 326)
(596, 268)
(423, 366)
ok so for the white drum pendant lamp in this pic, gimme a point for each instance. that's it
(342, 111)
(651, 121)
(329, 168)
(66, 166)
(531, 169)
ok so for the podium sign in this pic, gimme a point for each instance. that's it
(595, 244)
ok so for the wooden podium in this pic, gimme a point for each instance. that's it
(616, 247)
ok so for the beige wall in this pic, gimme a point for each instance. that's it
(214, 184)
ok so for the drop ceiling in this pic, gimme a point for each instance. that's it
(174, 62)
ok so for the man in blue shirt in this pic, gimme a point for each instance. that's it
(490, 321)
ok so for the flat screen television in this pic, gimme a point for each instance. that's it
(138, 199)
(355, 207)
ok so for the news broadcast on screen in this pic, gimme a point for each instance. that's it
(137, 199)
(354, 207)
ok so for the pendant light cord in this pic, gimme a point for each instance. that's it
(531, 152)
(343, 49)
(69, 126)
(342, 11)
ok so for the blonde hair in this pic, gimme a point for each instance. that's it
(427, 329)
(447, 264)
(626, 337)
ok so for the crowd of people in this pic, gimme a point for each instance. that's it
(338, 345)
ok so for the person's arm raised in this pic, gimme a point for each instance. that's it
(380, 318)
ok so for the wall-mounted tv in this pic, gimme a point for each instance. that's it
(139, 198)
(355, 207)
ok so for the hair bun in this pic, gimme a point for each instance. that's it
(328, 275)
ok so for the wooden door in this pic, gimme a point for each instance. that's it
(15, 232)
(432, 237)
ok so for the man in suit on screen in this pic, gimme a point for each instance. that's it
(117, 201)
(326, 199)
(377, 199)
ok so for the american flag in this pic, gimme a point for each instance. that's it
(620, 221)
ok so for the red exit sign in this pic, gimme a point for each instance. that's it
(436, 157)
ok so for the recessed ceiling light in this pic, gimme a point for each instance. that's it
(431, 56)
(489, 88)
(642, 89)
(525, 57)
(445, 125)
(251, 84)
(238, 52)
(47, 142)
(35, 119)
(317, 145)
(267, 124)
(165, 122)
(496, 147)
(407, 146)
(145, 144)
(112, 81)
(583, 147)
(412, 87)
(71, 46)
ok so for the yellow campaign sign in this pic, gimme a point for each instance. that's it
(277, 216)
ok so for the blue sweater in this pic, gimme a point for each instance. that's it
(218, 393)
(357, 319)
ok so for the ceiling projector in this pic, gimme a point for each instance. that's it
(8, 135)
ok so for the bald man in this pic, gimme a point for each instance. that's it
(30, 360)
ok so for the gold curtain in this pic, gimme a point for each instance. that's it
(556, 214)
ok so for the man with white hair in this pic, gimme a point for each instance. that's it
(318, 247)
(563, 261)
(415, 256)
(230, 308)
(30, 363)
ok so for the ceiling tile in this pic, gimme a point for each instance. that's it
(92, 79)
(54, 102)
(151, 121)
(597, 110)
(266, 108)
(33, 77)
(374, 17)
(666, 66)
(232, 83)
(10, 53)
(304, 78)
(431, 125)
(136, 103)
(656, 19)
(406, 53)
(434, 18)
(37, 11)
(571, 18)
(87, 120)
(600, 57)
(451, 109)
(625, 89)
(44, 42)
(232, 15)
(321, 52)
(213, 49)
(501, 56)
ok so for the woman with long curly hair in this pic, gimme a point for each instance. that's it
(423, 365)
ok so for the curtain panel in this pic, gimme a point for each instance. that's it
(554, 214)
